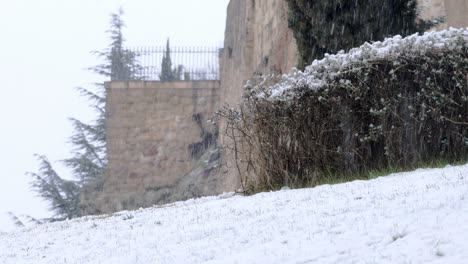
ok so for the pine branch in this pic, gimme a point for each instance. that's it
(62, 195)
(15, 220)
(95, 98)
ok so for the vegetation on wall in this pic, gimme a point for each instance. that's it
(208, 139)
(397, 103)
(88, 161)
(328, 26)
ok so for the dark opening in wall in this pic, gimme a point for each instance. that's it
(265, 61)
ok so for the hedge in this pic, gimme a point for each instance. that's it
(395, 103)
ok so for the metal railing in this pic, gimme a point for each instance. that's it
(188, 64)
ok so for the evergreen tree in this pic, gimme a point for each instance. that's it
(328, 26)
(167, 72)
(119, 62)
(88, 161)
(62, 195)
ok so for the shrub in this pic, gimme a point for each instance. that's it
(394, 103)
(327, 26)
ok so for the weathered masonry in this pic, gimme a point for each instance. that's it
(455, 12)
(150, 126)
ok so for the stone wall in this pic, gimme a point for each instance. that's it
(150, 126)
(454, 11)
(257, 41)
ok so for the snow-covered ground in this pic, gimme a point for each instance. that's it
(414, 217)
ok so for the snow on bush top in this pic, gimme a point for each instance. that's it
(319, 72)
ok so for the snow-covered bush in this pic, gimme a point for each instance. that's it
(398, 102)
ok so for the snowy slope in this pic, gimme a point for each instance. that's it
(416, 217)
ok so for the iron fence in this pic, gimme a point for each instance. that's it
(187, 63)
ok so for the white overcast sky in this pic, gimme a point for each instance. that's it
(44, 50)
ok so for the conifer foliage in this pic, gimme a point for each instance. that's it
(88, 160)
(328, 26)
(62, 195)
(167, 72)
(119, 63)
